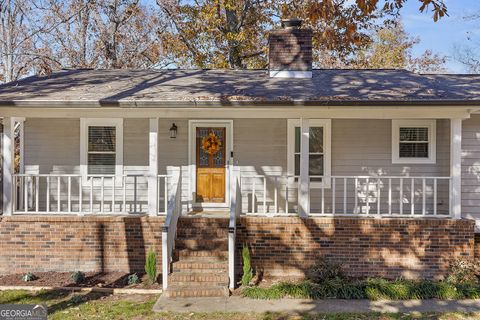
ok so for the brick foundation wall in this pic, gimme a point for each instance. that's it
(391, 248)
(68, 243)
(477, 247)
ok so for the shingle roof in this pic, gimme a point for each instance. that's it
(231, 87)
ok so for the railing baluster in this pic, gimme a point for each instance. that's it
(424, 206)
(165, 193)
(59, 209)
(113, 195)
(435, 196)
(69, 194)
(134, 194)
(389, 195)
(345, 195)
(275, 195)
(286, 195)
(322, 186)
(91, 194)
(401, 196)
(264, 195)
(355, 210)
(37, 192)
(412, 191)
(253, 195)
(48, 194)
(367, 196)
(102, 193)
(80, 195)
(124, 195)
(25, 195)
(158, 194)
(378, 196)
(333, 195)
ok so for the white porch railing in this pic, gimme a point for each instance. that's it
(235, 211)
(74, 194)
(349, 195)
(169, 232)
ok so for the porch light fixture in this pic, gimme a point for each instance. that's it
(173, 131)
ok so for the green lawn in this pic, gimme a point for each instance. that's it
(66, 305)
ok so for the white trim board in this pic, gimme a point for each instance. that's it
(192, 125)
(268, 112)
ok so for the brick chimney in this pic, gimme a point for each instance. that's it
(290, 51)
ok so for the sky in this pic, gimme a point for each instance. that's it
(442, 36)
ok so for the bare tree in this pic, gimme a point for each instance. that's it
(467, 53)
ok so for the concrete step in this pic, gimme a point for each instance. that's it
(201, 244)
(214, 255)
(200, 266)
(191, 291)
(207, 278)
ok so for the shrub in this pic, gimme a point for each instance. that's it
(324, 270)
(78, 277)
(373, 289)
(151, 266)
(29, 277)
(462, 271)
(247, 268)
(133, 279)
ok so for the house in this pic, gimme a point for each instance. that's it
(375, 169)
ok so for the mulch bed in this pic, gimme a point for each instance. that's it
(92, 279)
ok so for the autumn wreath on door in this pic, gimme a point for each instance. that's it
(211, 144)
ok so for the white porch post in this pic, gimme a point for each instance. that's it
(456, 168)
(8, 152)
(303, 181)
(153, 168)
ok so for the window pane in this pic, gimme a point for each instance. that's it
(101, 163)
(297, 139)
(101, 139)
(316, 165)
(413, 150)
(316, 140)
(297, 165)
(413, 134)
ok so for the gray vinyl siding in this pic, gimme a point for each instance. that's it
(52, 146)
(471, 167)
(359, 147)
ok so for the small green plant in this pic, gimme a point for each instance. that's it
(247, 267)
(462, 271)
(29, 277)
(133, 279)
(151, 266)
(78, 277)
(324, 270)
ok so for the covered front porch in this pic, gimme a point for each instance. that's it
(265, 166)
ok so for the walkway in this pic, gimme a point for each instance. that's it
(238, 304)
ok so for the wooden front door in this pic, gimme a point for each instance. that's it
(210, 154)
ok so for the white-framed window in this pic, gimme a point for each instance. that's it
(101, 146)
(319, 150)
(414, 141)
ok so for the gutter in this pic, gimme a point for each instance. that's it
(231, 103)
